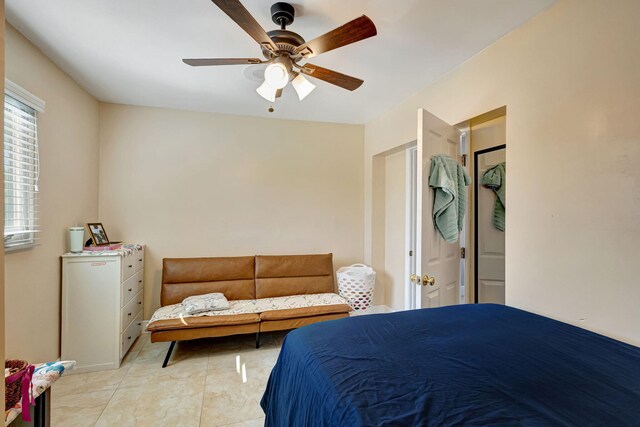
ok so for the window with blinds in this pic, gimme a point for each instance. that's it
(21, 173)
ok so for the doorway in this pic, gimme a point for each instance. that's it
(416, 267)
(434, 268)
(390, 219)
(488, 168)
(411, 225)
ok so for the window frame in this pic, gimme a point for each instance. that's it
(34, 103)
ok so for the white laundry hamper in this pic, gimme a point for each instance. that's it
(356, 284)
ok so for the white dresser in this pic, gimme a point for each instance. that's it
(102, 294)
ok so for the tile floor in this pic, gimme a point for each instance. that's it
(209, 382)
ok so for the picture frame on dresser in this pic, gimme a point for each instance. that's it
(98, 234)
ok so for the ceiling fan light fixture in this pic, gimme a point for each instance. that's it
(276, 75)
(302, 86)
(267, 92)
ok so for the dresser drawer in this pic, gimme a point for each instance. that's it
(139, 260)
(128, 291)
(130, 311)
(131, 287)
(128, 266)
(130, 334)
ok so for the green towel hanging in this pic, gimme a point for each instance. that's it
(496, 179)
(449, 179)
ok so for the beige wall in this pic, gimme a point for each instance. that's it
(569, 79)
(68, 135)
(201, 184)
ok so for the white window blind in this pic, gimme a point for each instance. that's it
(21, 174)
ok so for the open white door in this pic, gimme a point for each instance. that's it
(438, 262)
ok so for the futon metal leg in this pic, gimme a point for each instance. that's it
(258, 339)
(166, 359)
(42, 410)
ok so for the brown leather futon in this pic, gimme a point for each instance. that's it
(266, 293)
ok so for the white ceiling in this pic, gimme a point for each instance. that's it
(130, 51)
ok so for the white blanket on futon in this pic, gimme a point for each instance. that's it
(175, 311)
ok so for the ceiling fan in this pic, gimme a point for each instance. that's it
(285, 50)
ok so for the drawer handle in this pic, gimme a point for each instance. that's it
(139, 281)
(139, 302)
(130, 266)
(129, 314)
(140, 260)
(139, 324)
(130, 289)
(128, 338)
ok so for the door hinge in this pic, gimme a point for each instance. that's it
(410, 253)
(463, 159)
(463, 253)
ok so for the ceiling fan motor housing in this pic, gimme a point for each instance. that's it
(282, 14)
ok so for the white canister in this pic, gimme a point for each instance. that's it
(76, 239)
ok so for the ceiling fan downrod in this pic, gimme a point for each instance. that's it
(282, 14)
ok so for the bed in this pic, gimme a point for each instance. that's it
(481, 364)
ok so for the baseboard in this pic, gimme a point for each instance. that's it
(91, 368)
(374, 309)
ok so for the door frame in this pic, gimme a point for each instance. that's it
(465, 149)
(378, 222)
(476, 188)
(411, 198)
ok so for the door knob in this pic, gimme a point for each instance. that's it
(414, 279)
(430, 280)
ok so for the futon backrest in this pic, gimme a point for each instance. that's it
(285, 275)
(184, 277)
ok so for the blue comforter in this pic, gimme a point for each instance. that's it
(462, 365)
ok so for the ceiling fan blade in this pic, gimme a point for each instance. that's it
(203, 62)
(333, 77)
(351, 32)
(241, 16)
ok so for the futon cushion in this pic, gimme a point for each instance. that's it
(297, 322)
(185, 277)
(190, 322)
(249, 311)
(292, 313)
(285, 275)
